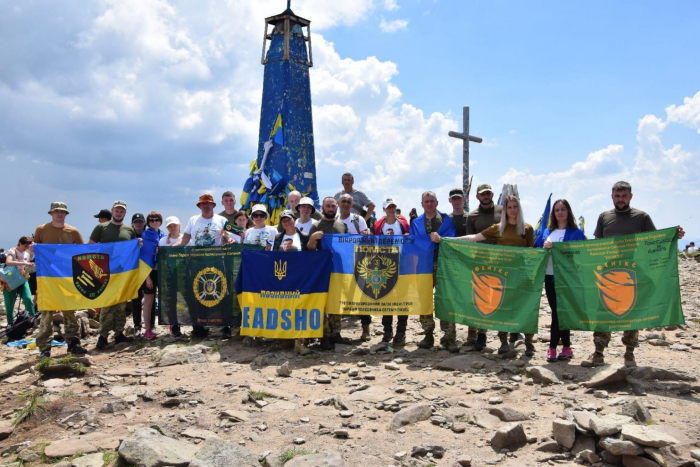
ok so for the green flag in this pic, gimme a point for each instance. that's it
(618, 283)
(490, 286)
(196, 285)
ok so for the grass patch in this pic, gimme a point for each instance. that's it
(259, 395)
(290, 454)
(651, 422)
(66, 394)
(214, 348)
(43, 364)
(68, 361)
(31, 408)
(39, 449)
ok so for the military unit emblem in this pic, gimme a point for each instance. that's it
(91, 274)
(617, 289)
(209, 286)
(376, 270)
(488, 290)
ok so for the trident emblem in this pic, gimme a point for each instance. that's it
(280, 269)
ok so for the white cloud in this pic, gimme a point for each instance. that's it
(391, 5)
(393, 25)
(688, 113)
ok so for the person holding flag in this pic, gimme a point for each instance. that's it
(561, 227)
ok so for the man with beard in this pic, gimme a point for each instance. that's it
(483, 217)
(113, 318)
(328, 225)
(622, 220)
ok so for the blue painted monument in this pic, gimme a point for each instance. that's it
(285, 160)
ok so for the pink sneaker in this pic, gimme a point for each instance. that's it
(149, 334)
(565, 354)
(551, 355)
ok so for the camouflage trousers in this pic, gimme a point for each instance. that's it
(427, 322)
(629, 338)
(503, 336)
(332, 325)
(70, 323)
(472, 332)
(112, 318)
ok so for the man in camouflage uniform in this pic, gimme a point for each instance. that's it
(113, 318)
(58, 232)
(622, 220)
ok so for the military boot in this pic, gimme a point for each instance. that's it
(119, 338)
(515, 340)
(529, 349)
(504, 348)
(428, 341)
(327, 344)
(400, 337)
(365, 333)
(300, 347)
(596, 359)
(388, 333)
(74, 348)
(480, 341)
(630, 362)
(450, 345)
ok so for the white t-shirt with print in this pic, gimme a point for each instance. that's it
(296, 242)
(351, 225)
(395, 228)
(262, 237)
(167, 241)
(206, 232)
(554, 236)
(306, 226)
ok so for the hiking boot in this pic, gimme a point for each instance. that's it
(300, 347)
(119, 338)
(388, 334)
(226, 332)
(551, 355)
(327, 344)
(199, 331)
(480, 342)
(515, 339)
(46, 353)
(596, 359)
(451, 345)
(175, 330)
(101, 343)
(365, 333)
(74, 348)
(427, 342)
(400, 338)
(338, 339)
(565, 354)
(529, 349)
(504, 348)
(630, 362)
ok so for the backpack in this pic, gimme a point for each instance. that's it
(17, 330)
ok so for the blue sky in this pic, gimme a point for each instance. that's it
(156, 102)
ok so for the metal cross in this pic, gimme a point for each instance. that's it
(465, 137)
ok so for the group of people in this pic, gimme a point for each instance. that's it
(302, 227)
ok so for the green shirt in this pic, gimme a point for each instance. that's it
(460, 222)
(108, 232)
(229, 217)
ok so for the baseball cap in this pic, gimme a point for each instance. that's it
(389, 202)
(286, 213)
(484, 187)
(58, 206)
(306, 201)
(171, 220)
(103, 213)
(206, 198)
(119, 204)
(456, 193)
(258, 207)
(138, 217)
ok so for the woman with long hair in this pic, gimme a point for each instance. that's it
(20, 257)
(560, 228)
(152, 236)
(511, 231)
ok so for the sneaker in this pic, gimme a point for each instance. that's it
(175, 330)
(504, 348)
(388, 334)
(226, 332)
(137, 331)
(480, 342)
(427, 342)
(551, 355)
(74, 348)
(199, 331)
(630, 362)
(101, 343)
(45, 354)
(566, 354)
(400, 338)
(119, 338)
(149, 334)
(529, 349)
(596, 359)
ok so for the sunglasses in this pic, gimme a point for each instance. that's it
(259, 214)
(154, 220)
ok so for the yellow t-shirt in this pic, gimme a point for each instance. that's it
(510, 236)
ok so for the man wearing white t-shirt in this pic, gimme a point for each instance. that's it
(306, 209)
(356, 223)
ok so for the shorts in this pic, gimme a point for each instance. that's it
(154, 278)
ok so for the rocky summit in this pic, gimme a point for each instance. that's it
(228, 402)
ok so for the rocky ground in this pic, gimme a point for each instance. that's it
(219, 403)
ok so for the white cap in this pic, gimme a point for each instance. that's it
(172, 220)
(259, 207)
(388, 202)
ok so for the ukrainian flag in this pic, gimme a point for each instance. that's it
(73, 277)
(283, 295)
(380, 275)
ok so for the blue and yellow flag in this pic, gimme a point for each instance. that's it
(380, 275)
(544, 219)
(277, 133)
(283, 295)
(73, 277)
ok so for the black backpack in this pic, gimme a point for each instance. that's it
(20, 327)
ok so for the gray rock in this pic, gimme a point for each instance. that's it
(173, 355)
(284, 370)
(342, 403)
(589, 456)
(68, 448)
(235, 415)
(438, 452)
(548, 446)
(91, 460)
(392, 366)
(410, 415)
(341, 433)
(28, 456)
(323, 379)
(610, 458)
(636, 410)
(495, 400)
(647, 436)
(459, 427)
(583, 420)
(322, 459)
(583, 443)
(620, 447)
(634, 461)
(114, 407)
(216, 452)
(564, 432)
(458, 363)
(148, 396)
(610, 424)
(511, 436)
(465, 461)
(197, 433)
(148, 448)
(6, 429)
(606, 375)
(542, 375)
(487, 421)
(346, 413)
(695, 454)
(651, 373)
(507, 414)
